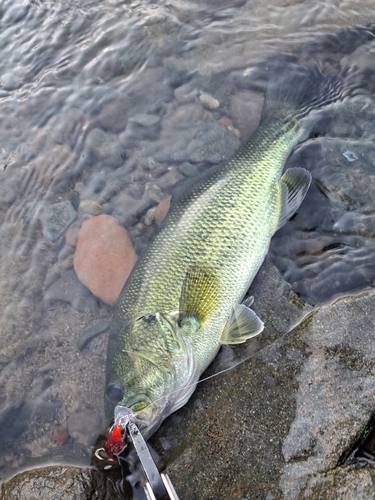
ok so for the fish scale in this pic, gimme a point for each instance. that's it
(182, 299)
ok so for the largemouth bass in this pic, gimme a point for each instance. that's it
(183, 298)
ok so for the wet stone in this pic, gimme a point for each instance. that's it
(209, 101)
(71, 236)
(114, 115)
(246, 108)
(64, 483)
(104, 257)
(61, 127)
(55, 219)
(188, 169)
(153, 192)
(308, 399)
(104, 147)
(129, 210)
(185, 93)
(343, 483)
(161, 210)
(84, 427)
(90, 207)
(362, 58)
(167, 181)
(69, 289)
(145, 120)
(61, 435)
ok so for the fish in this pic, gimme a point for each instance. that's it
(184, 297)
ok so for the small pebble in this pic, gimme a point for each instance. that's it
(209, 101)
(188, 169)
(71, 236)
(162, 209)
(90, 207)
(56, 219)
(61, 435)
(145, 120)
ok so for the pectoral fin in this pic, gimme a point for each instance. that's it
(91, 333)
(242, 325)
(200, 294)
(293, 188)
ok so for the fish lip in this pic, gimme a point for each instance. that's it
(150, 409)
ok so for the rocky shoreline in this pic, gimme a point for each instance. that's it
(284, 422)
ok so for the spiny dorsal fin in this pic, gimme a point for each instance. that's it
(293, 188)
(200, 294)
(242, 325)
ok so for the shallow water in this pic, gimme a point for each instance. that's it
(77, 79)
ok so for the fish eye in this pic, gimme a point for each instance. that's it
(114, 392)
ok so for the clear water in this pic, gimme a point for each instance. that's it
(76, 78)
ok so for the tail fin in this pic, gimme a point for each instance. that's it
(293, 91)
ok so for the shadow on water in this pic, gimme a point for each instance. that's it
(104, 107)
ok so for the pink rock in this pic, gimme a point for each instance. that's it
(104, 257)
(61, 435)
(162, 209)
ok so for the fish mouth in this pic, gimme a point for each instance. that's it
(144, 411)
(147, 415)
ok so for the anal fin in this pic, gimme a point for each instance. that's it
(242, 325)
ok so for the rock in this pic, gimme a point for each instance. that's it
(336, 219)
(167, 181)
(153, 192)
(84, 427)
(104, 257)
(149, 218)
(328, 418)
(185, 93)
(246, 108)
(209, 101)
(188, 169)
(61, 435)
(161, 210)
(61, 128)
(105, 147)
(71, 236)
(145, 120)
(362, 58)
(64, 483)
(69, 289)
(56, 219)
(90, 207)
(129, 210)
(51, 164)
(297, 416)
(114, 115)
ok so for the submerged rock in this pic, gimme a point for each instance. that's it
(84, 426)
(246, 108)
(145, 120)
(104, 257)
(56, 219)
(162, 209)
(69, 289)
